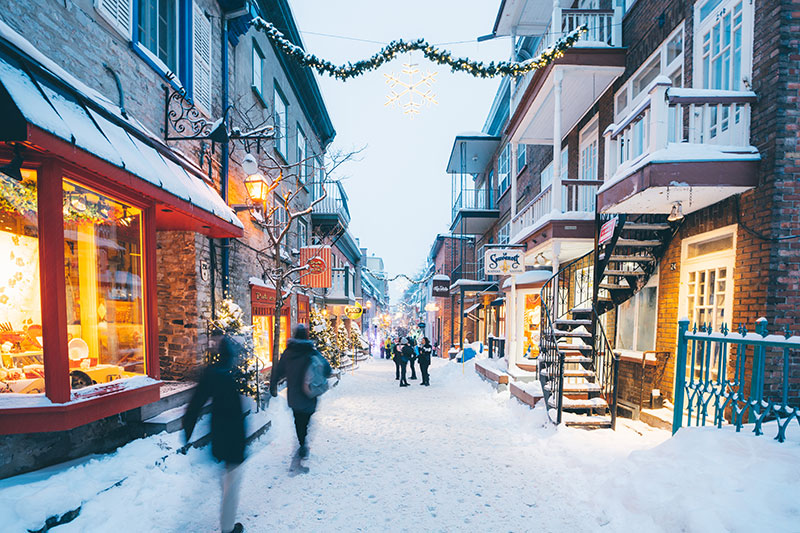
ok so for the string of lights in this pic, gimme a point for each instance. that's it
(382, 277)
(432, 53)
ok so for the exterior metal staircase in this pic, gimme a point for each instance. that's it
(577, 365)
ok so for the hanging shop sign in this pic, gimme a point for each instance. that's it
(504, 261)
(441, 286)
(318, 259)
(607, 231)
(353, 312)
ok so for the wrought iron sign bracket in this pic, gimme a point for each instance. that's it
(183, 121)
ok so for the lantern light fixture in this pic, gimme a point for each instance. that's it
(676, 213)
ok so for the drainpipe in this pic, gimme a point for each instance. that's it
(225, 155)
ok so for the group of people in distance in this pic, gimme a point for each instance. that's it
(404, 350)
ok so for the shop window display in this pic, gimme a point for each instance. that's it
(532, 319)
(262, 338)
(21, 361)
(105, 303)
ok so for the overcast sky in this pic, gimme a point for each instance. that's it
(399, 191)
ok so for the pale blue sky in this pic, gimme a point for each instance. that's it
(399, 191)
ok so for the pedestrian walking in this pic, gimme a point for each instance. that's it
(425, 352)
(413, 358)
(293, 366)
(227, 425)
(396, 356)
(405, 356)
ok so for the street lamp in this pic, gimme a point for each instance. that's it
(257, 187)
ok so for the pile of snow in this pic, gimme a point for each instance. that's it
(455, 456)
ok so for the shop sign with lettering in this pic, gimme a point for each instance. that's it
(504, 261)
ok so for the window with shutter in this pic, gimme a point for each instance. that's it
(201, 59)
(117, 13)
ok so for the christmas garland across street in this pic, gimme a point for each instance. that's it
(442, 57)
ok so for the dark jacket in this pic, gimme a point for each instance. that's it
(292, 366)
(407, 354)
(425, 354)
(227, 416)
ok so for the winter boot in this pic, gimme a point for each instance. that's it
(237, 528)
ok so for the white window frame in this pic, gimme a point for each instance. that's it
(666, 69)
(715, 260)
(522, 157)
(280, 115)
(546, 176)
(302, 233)
(302, 153)
(725, 8)
(258, 70)
(589, 140)
(154, 55)
(504, 233)
(726, 258)
(503, 170)
(651, 283)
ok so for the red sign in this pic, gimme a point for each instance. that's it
(318, 259)
(262, 300)
(607, 231)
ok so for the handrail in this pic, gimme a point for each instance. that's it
(533, 201)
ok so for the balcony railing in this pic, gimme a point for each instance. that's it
(341, 285)
(577, 196)
(689, 122)
(334, 203)
(477, 199)
(604, 29)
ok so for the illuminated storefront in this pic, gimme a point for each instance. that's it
(262, 301)
(82, 194)
(526, 313)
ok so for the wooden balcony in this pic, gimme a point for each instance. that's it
(679, 145)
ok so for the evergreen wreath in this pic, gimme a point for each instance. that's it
(434, 54)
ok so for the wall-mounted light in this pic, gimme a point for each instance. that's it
(676, 213)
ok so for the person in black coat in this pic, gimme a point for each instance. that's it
(227, 424)
(425, 352)
(394, 349)
(413, 358)
(405, 356)
(292, 366)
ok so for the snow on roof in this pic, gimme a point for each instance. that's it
(527, 231)
(441, 277)
(682, 152)
(68, 114)
(258, 282)
(531, 276)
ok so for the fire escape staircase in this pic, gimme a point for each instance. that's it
(577, 365)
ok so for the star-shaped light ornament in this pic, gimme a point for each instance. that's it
(412, 94)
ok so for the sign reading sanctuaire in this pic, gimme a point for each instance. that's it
(504, 261)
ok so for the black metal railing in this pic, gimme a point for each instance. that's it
(606, 366)
(476, 199)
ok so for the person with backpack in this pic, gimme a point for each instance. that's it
(425, 352)
(306, 373)
(406, 353)
(227, 425)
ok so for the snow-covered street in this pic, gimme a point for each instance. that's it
(455, 456)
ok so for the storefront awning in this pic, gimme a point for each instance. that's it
(472, 308)
(44, 106)
(498, 302)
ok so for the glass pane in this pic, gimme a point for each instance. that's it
(105, 304)
(626, 322)
(646, 326)
(675, 48)
(262, 341)
(711, 277)
(710, 246)
(21, 358)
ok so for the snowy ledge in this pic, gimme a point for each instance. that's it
(13, 400)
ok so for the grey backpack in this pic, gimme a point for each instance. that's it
(315, 383)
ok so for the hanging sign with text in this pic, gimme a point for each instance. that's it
(504, 261)
(607, 231)
(440, 286)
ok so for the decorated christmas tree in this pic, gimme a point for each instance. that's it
(229, 320)
(343, 339)
(322, 335)
(357, 342)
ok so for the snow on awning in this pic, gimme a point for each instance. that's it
(35, 96)
(472, 308)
